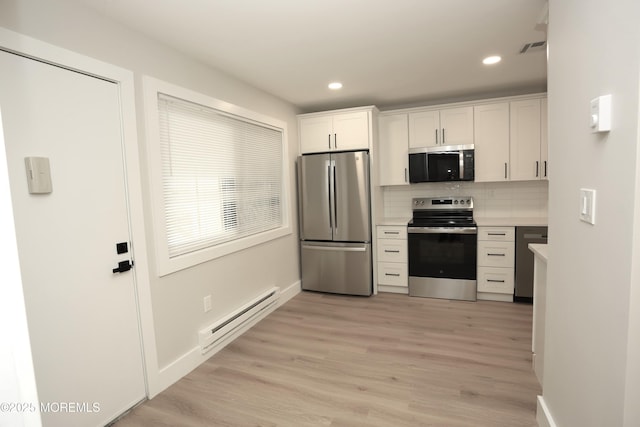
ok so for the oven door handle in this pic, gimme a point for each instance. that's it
(442, 230)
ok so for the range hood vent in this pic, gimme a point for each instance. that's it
(534, 47)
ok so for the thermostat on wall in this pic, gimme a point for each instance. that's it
(601, 114)
(38, 175)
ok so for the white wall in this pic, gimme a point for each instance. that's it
(231, 280)
(592, 330)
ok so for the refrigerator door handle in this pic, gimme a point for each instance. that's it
(335, 248)
(329, 187)
(335, 197)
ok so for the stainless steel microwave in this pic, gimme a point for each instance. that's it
(441, 163)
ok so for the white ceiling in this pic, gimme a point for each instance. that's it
(386, 52)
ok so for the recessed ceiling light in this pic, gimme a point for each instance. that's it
(335, 85)
(490, 60)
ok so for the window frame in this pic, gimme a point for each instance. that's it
(164, 263)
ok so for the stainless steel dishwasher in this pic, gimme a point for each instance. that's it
(524, 261)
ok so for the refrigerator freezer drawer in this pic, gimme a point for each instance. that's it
(341, 268)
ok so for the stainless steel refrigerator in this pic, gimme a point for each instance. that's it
(335, 225)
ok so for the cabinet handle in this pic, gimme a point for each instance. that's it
(505, 170)
(442, 136)
(495, 281)
(329, 141)
(436, 136)
(537, 168)
(496, 234)
(496, 254)
(391, 252)
(391, 232)
(405, 175)
(545, 168)
(392, 274)
(335, 141)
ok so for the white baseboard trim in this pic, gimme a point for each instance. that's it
(543, 416)
(290, 292)
(190, 360)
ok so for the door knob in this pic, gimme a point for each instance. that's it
(123, 266)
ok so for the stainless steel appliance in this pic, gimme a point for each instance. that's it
(442, 163)
(524, 261)
(442, 239)
(335, 227)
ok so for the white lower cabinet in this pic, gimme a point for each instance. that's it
(392, 260)
(495, 279)
(392, 274)
(496, 261)
(496, 254)
(392, 250)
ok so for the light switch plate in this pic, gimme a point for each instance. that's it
(588, 205)
(38, 175)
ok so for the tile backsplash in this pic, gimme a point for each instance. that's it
(517, 199)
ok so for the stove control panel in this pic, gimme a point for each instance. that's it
(428, 203)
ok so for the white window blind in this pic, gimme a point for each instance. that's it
(221, 175)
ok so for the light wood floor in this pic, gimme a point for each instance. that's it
(389, 360)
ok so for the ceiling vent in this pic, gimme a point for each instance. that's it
(534, 47)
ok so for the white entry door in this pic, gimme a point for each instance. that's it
(82, 316)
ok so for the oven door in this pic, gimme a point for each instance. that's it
(442, 262)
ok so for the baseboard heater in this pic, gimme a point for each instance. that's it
(213, 334)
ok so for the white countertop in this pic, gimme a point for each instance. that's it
(540, 250)
(512, 221)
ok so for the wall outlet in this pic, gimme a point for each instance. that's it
(207, 303)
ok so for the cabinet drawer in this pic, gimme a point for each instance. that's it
(392, 232)
(504, 234)
(392, 273)
(496, 280)
(390, 250)
(496, 254)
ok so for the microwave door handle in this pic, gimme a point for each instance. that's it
(461, 161)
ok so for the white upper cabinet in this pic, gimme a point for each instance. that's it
(450, 126)
(457, 126)
(393, 149)
(525, 140)
(509, 136)
(334, 132)
(315, 134)
(491, 131)
(423, 129)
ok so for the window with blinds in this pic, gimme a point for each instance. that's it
(218, 175)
